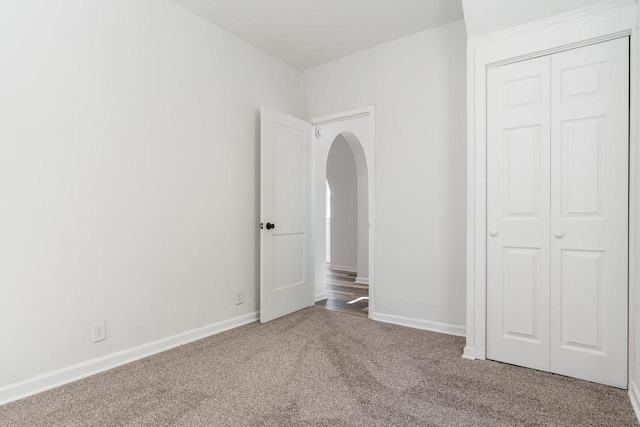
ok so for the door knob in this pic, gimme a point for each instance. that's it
(270, 226)
(493, 232)
(559, 234)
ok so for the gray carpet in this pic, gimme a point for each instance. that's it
(317, 367)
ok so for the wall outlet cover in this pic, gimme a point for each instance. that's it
(99, 331)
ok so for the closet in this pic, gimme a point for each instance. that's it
(557, 212)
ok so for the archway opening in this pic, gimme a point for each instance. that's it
(347, 227)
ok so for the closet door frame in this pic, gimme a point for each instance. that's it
(583, 27)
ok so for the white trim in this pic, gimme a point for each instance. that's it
(468, 353)
(321, 296)
(343, 268)
(58, 377)
(471, 182)
(443, 328)
(634, 92)
(634, 396)
(342, 116)
(556, 49)
(605, 21)
(370, 157)
(362, 280)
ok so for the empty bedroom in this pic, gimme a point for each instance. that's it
(319, 212)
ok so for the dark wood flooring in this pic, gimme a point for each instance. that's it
(342, 289)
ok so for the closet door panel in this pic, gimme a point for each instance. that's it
(518, 213)
(589, 212)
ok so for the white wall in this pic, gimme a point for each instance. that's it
(488, 16)
(128, 176)
(341, 174)
(418, 87)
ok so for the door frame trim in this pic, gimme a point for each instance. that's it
(369, 151)
(605, 21)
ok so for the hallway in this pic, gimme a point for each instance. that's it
(343, 289)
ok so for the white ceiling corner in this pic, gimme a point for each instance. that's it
(306, 33)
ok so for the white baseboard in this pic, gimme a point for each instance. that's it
(427, 325)
(469, 353)
(58, 377)
(362, 280)
(343, 268)
(634, 396)
(322, 295)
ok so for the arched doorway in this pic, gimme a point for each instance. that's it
(357, 127)
(347, 230)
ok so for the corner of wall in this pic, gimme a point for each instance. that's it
(303, 102)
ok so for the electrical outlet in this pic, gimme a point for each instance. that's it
(99, 331)
(239, 297)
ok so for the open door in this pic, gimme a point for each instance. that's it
(286, 259)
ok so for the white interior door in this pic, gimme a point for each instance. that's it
(557, 212)
(518, 212)
(286, 261)
(589, 212)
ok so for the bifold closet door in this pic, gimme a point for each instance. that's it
(518, 213)
(589, 212)
(557, 212)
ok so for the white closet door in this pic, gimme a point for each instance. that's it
(518, 213)
(589, 214)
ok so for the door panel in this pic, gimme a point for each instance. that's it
(522, 280)
(518, 213)
(582, 169)
(581, 312)
(589, 212)
(522, 169)
(288, 160)
(286, 267)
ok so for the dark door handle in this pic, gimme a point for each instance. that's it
(270, 226)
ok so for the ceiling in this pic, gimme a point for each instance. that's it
(306, 33)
